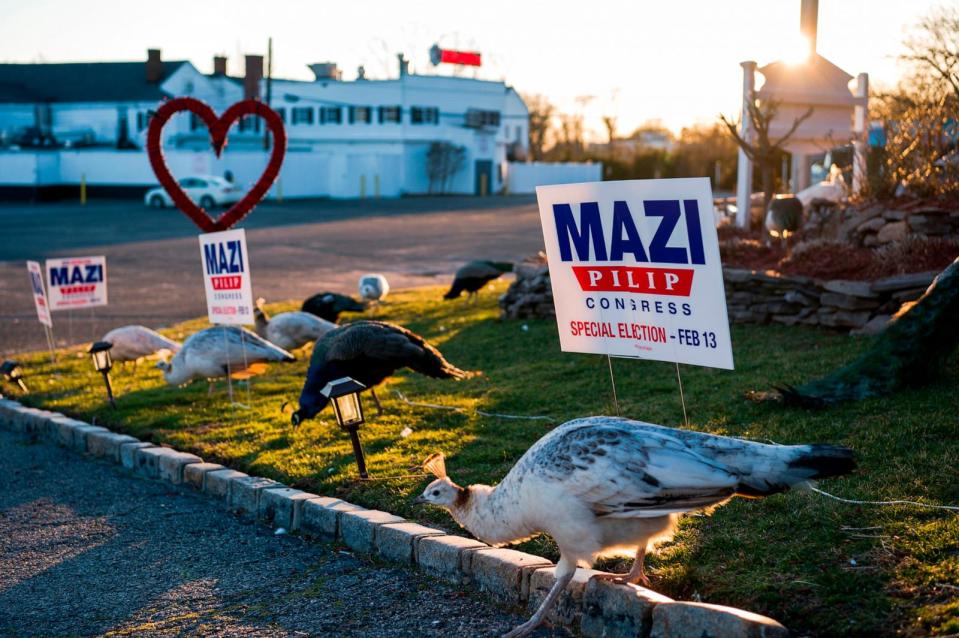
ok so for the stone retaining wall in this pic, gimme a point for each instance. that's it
(601, 609)
(876, 224)
(757, 297)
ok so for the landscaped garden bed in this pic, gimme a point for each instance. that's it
(818, 566)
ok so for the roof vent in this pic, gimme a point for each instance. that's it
(326, 71)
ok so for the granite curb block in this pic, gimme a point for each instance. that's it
(601, 609)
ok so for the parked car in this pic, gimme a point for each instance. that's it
(206, 190)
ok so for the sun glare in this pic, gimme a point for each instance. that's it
(797, 50)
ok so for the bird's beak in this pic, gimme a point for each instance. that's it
(419, 500)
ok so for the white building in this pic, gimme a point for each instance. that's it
(63, 123)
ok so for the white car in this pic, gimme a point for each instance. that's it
(206, 190)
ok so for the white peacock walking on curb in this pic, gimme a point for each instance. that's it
(606, 486)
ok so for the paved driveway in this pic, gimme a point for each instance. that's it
(87, 550)
(296, 249)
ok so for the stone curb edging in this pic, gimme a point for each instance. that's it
(600, 609)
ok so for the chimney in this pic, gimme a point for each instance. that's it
(154, 67)
(325, 71)
(809, 22)
(404, 64)
(361, 72)
(254, 73)
(219, 65)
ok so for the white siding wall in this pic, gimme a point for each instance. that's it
(524, 177)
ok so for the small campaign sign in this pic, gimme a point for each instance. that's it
(226, 276)
(635, 270)
(39, 294)
(77, 282)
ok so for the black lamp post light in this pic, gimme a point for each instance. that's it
(13, 373)
(345, 395)
(102, 361)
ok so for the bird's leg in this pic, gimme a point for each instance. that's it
(376, 400)
(564, 573)
(635, 575)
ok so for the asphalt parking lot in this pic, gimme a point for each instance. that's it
(297, 248)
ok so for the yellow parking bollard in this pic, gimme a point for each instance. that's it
(362, 186)
(376, 186)
(83, 189)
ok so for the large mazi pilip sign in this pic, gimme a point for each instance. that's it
(635, 270)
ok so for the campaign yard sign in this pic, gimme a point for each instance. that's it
(226, 276)
(77, 282)
(635, 270)
(39, 294)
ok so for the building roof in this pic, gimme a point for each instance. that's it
(816, 81)
(81, 82)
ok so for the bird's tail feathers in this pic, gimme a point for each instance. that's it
(452, 372)
(503, 266)
(825, 461)
(804, 463)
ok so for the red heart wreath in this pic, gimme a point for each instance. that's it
(218, 126)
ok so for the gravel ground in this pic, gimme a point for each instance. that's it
(86, 550)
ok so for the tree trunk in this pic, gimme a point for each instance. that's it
(910, 352)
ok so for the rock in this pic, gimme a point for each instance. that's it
(895, 215)
(568, 608)
(869, 241)
(614, 610)
(128, 453)
(397, 541)
(107, 444)
(195, 473)
(321, 516)
(871, 225)
(899, 282)
(847, 287)
(447, 557)
(504, 573)
(845, 319)
(847, 302)
(218, 482)
(358, 527)
(874, 326)
(245, 492)
(283, 506)
(684, 619)
(894, 231)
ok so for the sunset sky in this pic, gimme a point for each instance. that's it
(677, 61)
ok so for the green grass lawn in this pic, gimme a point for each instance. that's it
(820, 567)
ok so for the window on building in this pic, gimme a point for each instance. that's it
(424, 115)
(331, 115)
(143, 120)
(281, 111)
(302, 114)
(195, 121)
(361, 115)
(389, 114)
(249, 123)
(477, 118)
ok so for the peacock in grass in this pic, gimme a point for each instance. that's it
(909, 353)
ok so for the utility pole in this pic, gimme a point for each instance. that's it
(269, 89)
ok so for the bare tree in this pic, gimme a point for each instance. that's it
(762, 149)
(609, 122)
(443, 161)
(541, 113)
(934, 46)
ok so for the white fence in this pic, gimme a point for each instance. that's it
(524, 177)
(304, 174)
(339, 173)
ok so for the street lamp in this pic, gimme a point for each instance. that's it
(13, 373)
(345, 395)
(102, 361)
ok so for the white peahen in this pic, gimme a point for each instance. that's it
(604, 486)
(219, 351)
(289, 330)
(131, 343)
